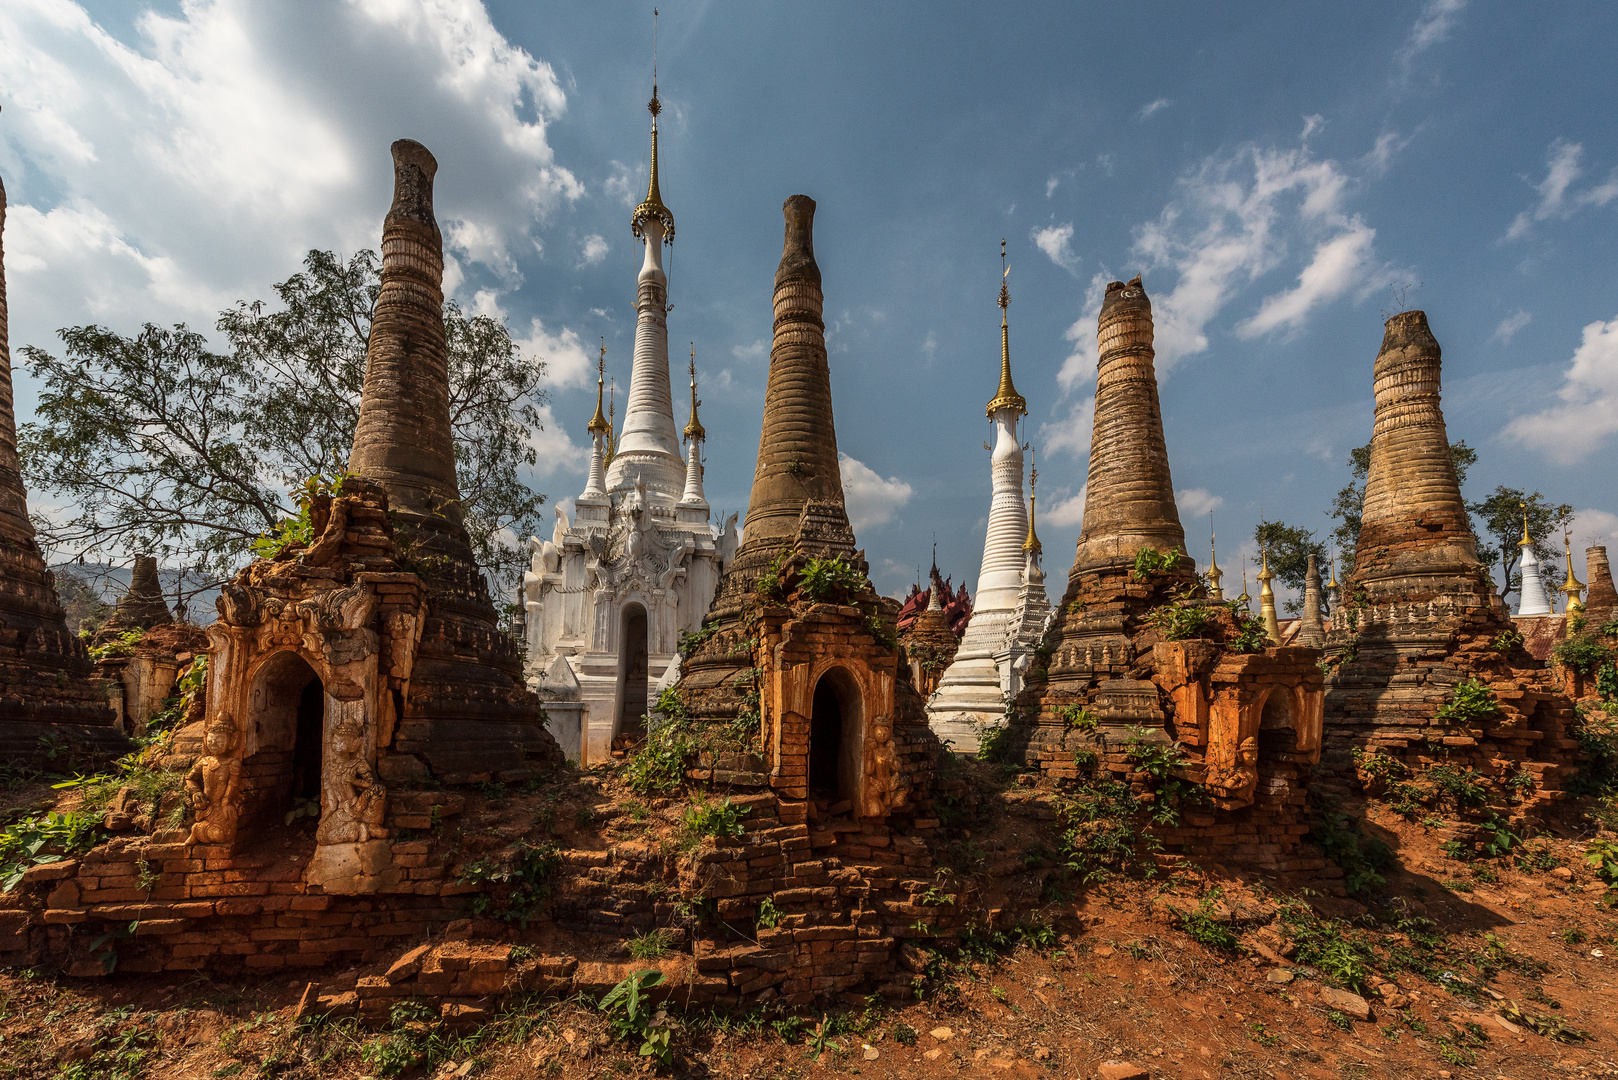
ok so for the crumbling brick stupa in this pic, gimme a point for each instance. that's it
(1140, 656)
(1419, 615)
(46, 693)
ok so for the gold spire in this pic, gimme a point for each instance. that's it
(1332, 584)
(598, 422)
(1032, 543)
(693, 430)
(1245, 600)
(1214, 575)
(653, 206)
(1006, 397)
(1524, 542)
(1266, 597)
(1574, 586)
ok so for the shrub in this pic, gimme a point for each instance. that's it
(1150, 560)
(1331, 946)
(518, 882)
(629, 1015)
(1079, 718)
(1507, 640)
(721, 819)
(820, 578)
(1601, 855)
(1204, 929)
(33, 841)
(1251, 636)
(1471, 700)
(121, 645)
(1177, 623)
(1582, 653)
(1607, 682)
(652, 945)
(994, 743)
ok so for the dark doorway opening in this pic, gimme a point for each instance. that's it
(309, 742)
(825, 741)
(632, 662)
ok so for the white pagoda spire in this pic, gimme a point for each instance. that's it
(693, 498)
(648, 445)
(969, 694)
(1532, 600)
(599, 430)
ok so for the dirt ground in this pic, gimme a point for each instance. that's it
(1196, 973)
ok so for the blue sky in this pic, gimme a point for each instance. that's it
(1272, 169)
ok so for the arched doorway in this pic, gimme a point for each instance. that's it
(287, 738)
(834, 739)
(1277, 724)
(632, 676)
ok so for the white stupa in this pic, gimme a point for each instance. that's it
(1533, 599)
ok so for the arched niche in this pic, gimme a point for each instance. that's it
(633, 674)
(286, 737)
(836, 738)
(1278, 721)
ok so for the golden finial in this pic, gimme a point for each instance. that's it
(1215, 575)
(1524, 542)
(653, 206)
(1245, 600)
(1332, 584)
(1032, 543)
(1006, 397)
(693, 430)
(1574, 586)
(598, 423)
(1266, 597)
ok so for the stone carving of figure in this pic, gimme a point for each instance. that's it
(883, 790)
(355, 799)
(1235, 782)
(212, 786)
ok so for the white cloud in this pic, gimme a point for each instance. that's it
(1234, 220)
(558, 454)
(870, 500)
(758, 350)
(1437, 19)
(930, 346)
(1196, 502)
(219, 143)
(1080, 366)
(1339, 264)
(1070, 434)
(1590, 528)
(1152, 107)
(1556, 200)
(1511, 324)
(1050, 185)
(593, 250)
(620, 184)
(723, 381)
(1588, 415)
(569, 363)
(1054, 241)
(1066, 513)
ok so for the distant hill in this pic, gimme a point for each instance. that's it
(89, 591)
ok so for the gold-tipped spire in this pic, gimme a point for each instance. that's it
(1032, 543)
(693, 430)
(1525, 541)
(1574, 587)
(1006, 397)
(653, 206)
(1215, 575)
(1332, 584)
(1266, 597)
(1245, 600)
(598, 422)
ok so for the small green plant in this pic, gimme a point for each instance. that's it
(120, 645)
(903, 1034)
(298, 530)
(1150, 561)
(1177, 622)
(994, 743)
(1331, 946)
(1601, 855)
(1583, 653)
(1472, 700)
(1572, 935)
(1497, 837)
(710, 819)
(44, 839)
(652, 945)
(629, 1015)
(1201, 926)
(1078, 718)
(820, 1039)
(690, 642)
(517, 882)
(769, 916)
(1250, 636)
(1506, 641)
(1607, 681)
(821, 577)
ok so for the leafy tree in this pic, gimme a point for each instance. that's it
(157, 444)
(1289, 549)
(1502, 518)
(1346, 507)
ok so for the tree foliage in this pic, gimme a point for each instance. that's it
(159, 445)
(1501, 516)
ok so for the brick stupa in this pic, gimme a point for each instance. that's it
(1245, 723)
(45, 689)
(142, 607)
(1419, 613)
(467, 712)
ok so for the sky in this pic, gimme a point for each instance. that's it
(1284, 176)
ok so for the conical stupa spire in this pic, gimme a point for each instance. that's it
(1573, 588)
(142, 606)
(1601, 602)
(1415, 536)
(797, 449)
(466, 711)
(44, 672)
(693, 496)
(1214, 575)
(1532, 599)
(1266, 599)
(1129, 504)
(1312, 630)
(1006, 397)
